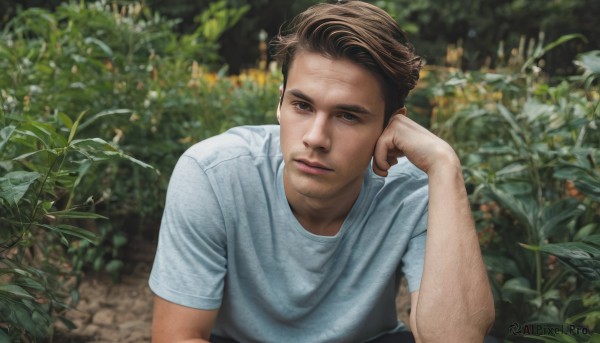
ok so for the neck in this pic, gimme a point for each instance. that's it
(322, 216)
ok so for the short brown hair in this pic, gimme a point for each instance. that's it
(358, 31)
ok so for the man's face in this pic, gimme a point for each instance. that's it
(331, 116)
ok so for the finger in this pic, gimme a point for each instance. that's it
(380, 155)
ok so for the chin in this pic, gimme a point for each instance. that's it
(312, 189)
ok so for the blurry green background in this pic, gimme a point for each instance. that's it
(478, 26)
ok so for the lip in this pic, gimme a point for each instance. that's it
(312, 167)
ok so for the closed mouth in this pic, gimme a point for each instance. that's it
(313, 164)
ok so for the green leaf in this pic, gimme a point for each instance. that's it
(5, 135)
(520, 285)
(44, 140)
(93, 142)
(98, 149)
(73, 231)
(593, 240)
(16, 291)
(557, 216)
(533, 110)
(522, 211)
(114, 266)
(24, 156)
(75, 297)
(4, 338)
(14, 185)
(74, 127)
(584, 232)
(103, 46)
(76, 215)
(103, 114)
(45, 133)
(575, 250)
(31, 283)
(98, 262)
(583, 314)
(500, 264)
(15, 271)
(135, 161)
(580, 256)
(589, 186)
(589, 61)
(119, 240)
(65, 120)
(510, 118)
(513, 168)
(69, 324)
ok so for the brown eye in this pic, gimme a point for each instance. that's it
(349, 117)
(302, 106)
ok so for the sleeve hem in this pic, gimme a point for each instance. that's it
(193, 301)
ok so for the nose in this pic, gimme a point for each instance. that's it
(318, 136)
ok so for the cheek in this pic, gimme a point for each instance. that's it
(361, 149)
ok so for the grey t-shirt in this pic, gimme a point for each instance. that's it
(230, 241)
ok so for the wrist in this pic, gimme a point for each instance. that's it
(445, 162)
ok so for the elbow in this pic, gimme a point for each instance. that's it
(471, 328)
(489, 316)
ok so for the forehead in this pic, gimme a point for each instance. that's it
(335, 79)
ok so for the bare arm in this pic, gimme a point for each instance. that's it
(455, 302)
(414, 300)
(176, 323)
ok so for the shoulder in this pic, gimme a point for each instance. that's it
(233, 144)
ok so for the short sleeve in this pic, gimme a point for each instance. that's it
(413, 261)
(191, 262)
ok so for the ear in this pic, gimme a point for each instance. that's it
(279, 113)
(279, 105)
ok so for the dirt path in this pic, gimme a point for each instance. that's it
(115, 312)
(122, 312)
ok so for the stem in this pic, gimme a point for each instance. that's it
(538, 273)
(39, 195)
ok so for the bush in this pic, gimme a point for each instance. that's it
(42, 166)
(530, 152)
(121, 80)
(147, 90)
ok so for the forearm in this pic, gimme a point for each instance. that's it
(176, 323)
(455, 301)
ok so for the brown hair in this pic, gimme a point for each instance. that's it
(360, 32)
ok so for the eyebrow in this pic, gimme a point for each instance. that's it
(344, 107)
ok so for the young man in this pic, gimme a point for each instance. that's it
(301, 232)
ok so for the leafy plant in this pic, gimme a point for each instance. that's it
(42, 166)
(530, 149)
(147, 90)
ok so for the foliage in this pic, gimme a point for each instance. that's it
(42, 166)
(478, 27)
(146, 92)
(530, 152)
